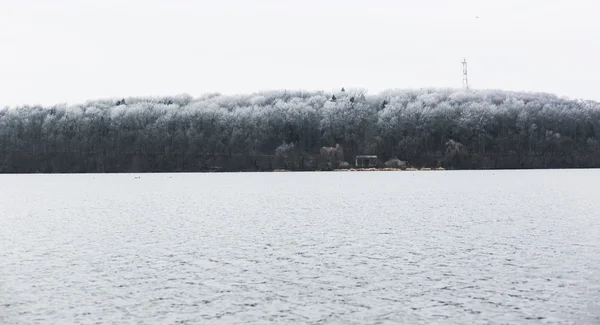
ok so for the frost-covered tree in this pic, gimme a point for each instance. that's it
(265, 130)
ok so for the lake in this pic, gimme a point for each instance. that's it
(436, 247)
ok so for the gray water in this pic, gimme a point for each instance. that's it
(473, 247)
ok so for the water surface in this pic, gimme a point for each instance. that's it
(472, 247)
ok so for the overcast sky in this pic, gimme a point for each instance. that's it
(75, 50)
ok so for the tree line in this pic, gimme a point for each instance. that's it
(301, 130)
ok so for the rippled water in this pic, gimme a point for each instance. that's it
(476, 247)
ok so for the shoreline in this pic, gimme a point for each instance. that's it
(302, 171)
(372, 169)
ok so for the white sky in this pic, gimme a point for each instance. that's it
(75, 50)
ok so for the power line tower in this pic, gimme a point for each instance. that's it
(465, 80)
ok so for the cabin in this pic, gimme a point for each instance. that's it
(366, 161)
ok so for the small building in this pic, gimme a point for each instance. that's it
(366, 161)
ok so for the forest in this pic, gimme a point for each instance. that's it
(301, 130)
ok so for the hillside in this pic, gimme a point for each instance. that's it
(302, 131)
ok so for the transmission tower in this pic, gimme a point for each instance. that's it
(465, 80)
